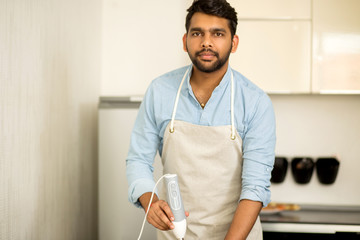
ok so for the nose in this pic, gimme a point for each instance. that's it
(206, 43)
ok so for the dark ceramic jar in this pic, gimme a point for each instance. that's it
(279, 171)
(327, 169)
(302, 169)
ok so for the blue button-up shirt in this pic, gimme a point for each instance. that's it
(254, 121)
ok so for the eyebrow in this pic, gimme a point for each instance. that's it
(199, 29)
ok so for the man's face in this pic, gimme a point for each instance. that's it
(209, 42)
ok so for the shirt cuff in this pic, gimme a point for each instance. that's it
(138, 188)
(256, 193)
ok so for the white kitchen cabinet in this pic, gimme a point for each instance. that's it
(336, 46)
(275, 55)
(274, 44)
(272, 9)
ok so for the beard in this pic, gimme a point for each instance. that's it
(216, 65)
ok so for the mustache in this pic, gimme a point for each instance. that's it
(207, 50)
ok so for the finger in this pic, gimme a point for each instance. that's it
(157, 217)
(162, 212)
(156, 222)
(187, 214)
(166, 208)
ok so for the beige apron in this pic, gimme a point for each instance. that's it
(208, 162)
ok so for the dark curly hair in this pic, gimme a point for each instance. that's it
(219, 8)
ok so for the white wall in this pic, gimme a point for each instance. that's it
(50, 53)
(141, 40)
(319, 126)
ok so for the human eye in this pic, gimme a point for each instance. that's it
(219, 34)
(196, 34)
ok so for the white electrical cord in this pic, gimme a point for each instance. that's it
(148, 208)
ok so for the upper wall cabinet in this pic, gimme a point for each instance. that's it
(272, 9)
(336, 46)
(275, 55)
(274, 48)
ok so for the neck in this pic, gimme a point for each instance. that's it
(203, 84)
(205, 80)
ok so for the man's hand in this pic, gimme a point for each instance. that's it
(160, 215)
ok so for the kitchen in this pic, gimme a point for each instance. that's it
(49, 156)
(296, 41)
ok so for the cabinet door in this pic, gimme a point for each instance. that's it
(336, 46)
(263, 9)
(275, 55)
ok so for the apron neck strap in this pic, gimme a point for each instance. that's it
(233, 136)
(177, 100)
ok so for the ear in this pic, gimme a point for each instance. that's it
(235, 42)
(184, 42)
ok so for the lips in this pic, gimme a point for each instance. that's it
(206, 54)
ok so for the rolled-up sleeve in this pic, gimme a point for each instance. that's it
(144, 143)
(259, 152)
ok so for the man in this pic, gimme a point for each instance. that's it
(213, 128)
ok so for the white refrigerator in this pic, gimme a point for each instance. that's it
(118, 218)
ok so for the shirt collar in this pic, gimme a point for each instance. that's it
(224, 81)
